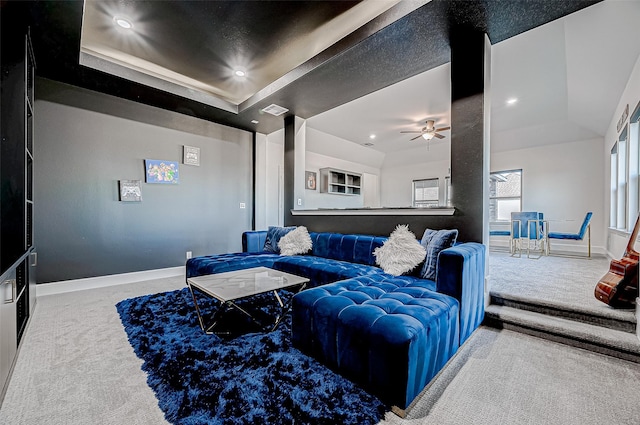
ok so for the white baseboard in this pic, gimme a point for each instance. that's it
(558, 248)
(52, 288)
(638, 317)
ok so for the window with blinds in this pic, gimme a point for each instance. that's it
(426, 193)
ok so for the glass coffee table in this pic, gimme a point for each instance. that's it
(230, 287)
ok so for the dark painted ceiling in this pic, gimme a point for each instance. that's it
(399, 43)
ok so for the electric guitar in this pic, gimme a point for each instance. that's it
(619, 287)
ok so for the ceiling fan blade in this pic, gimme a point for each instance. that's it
(417, 137)
(411, 132)
(443, 128)
(439, 136)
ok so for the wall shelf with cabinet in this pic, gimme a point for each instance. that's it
(17, 251)
(340, 182)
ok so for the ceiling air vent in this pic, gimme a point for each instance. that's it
(275, 110)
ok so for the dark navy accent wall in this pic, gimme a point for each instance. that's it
(289, 162)
(378, 225)
(87, 141)
(470, 69)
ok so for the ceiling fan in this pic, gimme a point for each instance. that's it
(429, 132)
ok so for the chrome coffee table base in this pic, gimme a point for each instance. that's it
(229, 287)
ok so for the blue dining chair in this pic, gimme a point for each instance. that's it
(506, 233)
(528, 227)
(585, 228)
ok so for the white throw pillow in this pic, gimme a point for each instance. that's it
(297, 241)
(401, 253)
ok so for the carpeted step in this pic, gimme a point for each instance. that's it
(599, 339)
(624, 321)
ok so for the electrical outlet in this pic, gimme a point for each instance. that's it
(242, 205)
(189, 254)
(299, 201)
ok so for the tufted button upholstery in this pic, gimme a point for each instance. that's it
(210, 264)
(390, 338)
(389, 334)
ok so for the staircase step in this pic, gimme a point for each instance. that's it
(620, 322)
(591, 337)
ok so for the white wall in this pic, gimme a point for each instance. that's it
(325, 150)
(401, 168)
(317, 199)
(269, 179)
(261, 181)
(617, 241)
(396, 184)
(564, 181)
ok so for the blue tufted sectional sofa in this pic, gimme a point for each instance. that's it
(389, 334)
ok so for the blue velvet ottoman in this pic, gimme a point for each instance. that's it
(390, 339)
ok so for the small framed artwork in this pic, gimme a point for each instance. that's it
(130, 190)
(191, 155)
(310, 180)
(160, 171)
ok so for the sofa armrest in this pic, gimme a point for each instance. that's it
(253, 241)
(460, 274)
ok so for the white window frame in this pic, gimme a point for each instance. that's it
(634, 167)
(421, 201)
(633, 184)
(624, 179)
(623, 167)
(519, 198)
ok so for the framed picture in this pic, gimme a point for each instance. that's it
(130, 190)
(160, 171)
(310, 180)
(191, 155)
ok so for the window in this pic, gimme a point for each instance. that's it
(634, 167)
(632, 200)
(625, 175)
(505, 194)
(426, 193)
(621, 222)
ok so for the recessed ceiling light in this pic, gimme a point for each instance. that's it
(239, 73)
(512, 101)
(123, 22)
(372, 136)
(254, 121)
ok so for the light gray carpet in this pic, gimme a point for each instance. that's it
(562, 282)
(504, 377)
(77, 367)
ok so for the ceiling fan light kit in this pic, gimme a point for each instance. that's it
(428, 136)
(428, 132)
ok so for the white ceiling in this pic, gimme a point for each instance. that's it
(568, 76)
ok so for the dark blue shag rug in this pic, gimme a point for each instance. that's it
(254, 378)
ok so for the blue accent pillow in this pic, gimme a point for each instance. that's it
(274, 233)
(435, 241)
